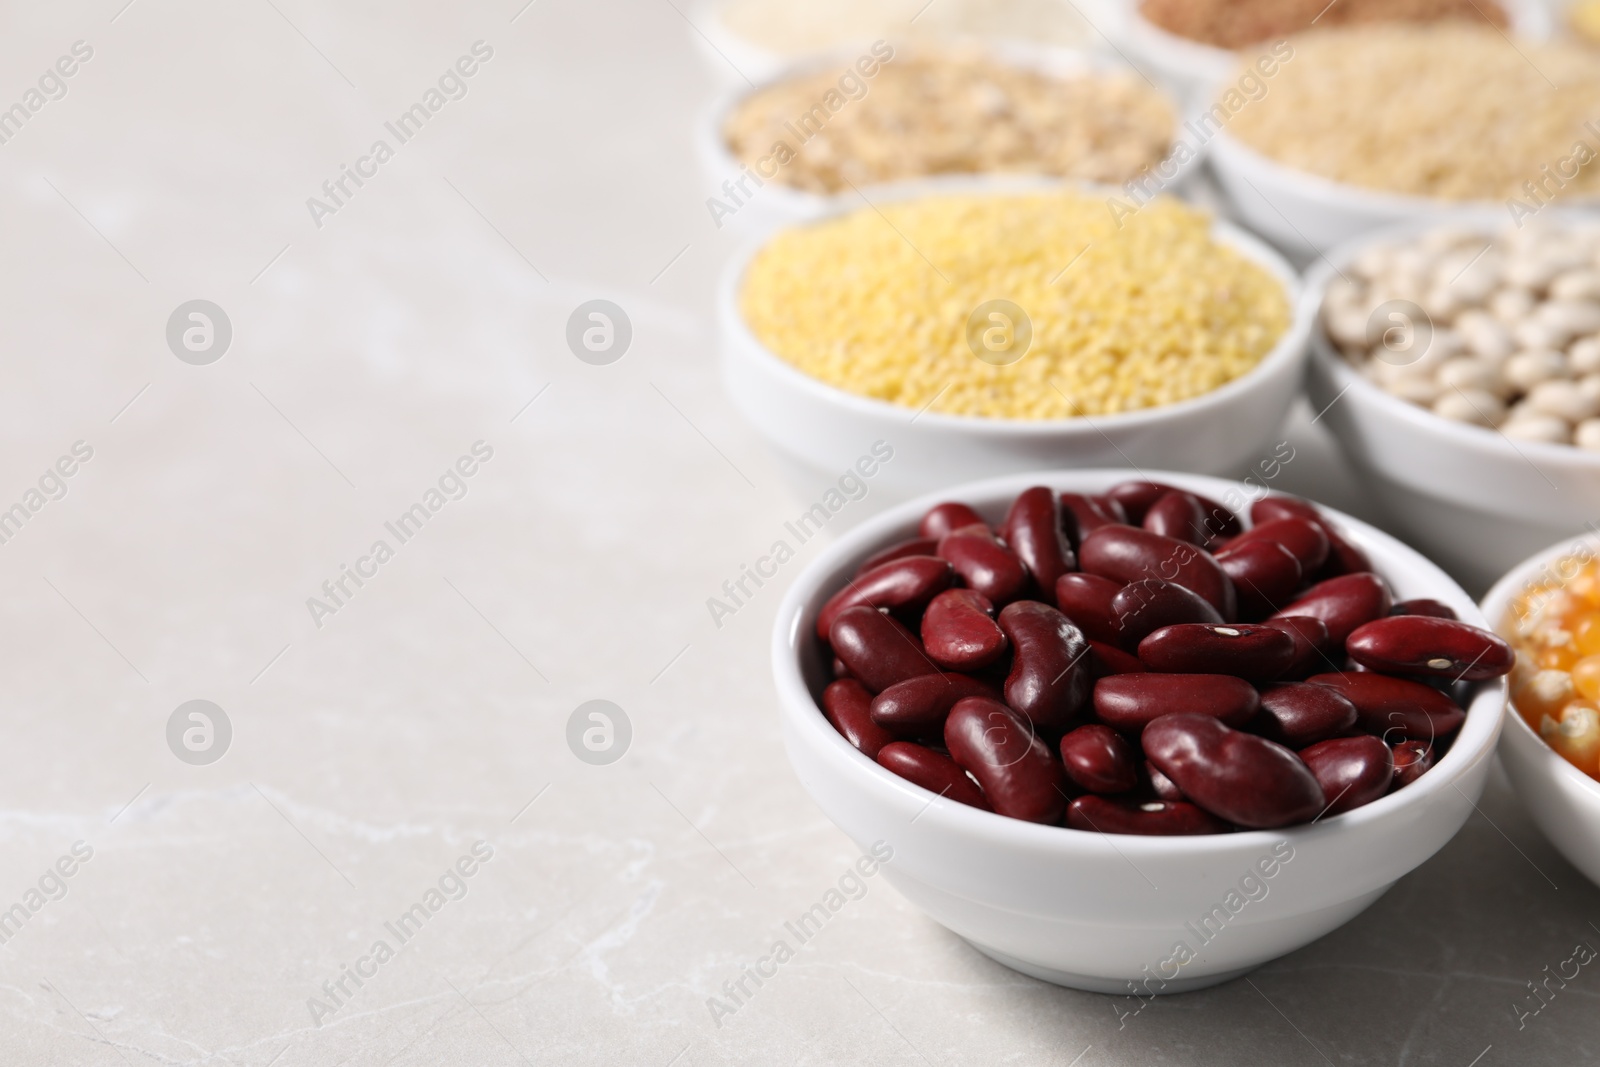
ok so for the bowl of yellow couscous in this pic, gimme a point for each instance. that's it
(986, 328)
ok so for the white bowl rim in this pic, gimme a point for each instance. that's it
(1496, 602)
(1058, 60)
(1461, 434)
(1290, 347)
(1474, 740)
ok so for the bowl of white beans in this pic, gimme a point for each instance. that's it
(1457, 362)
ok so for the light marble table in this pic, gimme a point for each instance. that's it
(382, 735)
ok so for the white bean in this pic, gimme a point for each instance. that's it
(1418, 389)
(1511, 306)
(1533, 269)
(1537, 333)
(1587, 435)
(1562, 398)
(1346, 326)
(1484, 335)
(1534, 427)
(1577, 285)
(1584, 355)
(1574, 316)
(1527, 369)
(1467, 372)
(1470, 405)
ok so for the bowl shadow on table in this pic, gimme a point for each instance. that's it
(1466, 952)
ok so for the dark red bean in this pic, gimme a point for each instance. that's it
(1163, 787)
(1244, 779)
(917, 546)
(1312, 644)
(1431, 647)
(1343, 556)
(1086, 599)
(1424, 606)
(1258, 653)
(943, 519)
(934, 772)
(1143, 607)
(877, 649)
(1128, 554)
(846, 704)
(1098, 760)
(1298, 714)
(1352, 771)
(1082, 515)
(1394, 708)
(1179, 515)
(1265, 576)
(984, 563)
(1306, 541)
(1343, 603)
(1109, 660)
(1033, 531)
(1015, 768)
(1412, 759)
(1049, 680)
(959, 631)
(907, 583)
(917, 706)
(1130, 702)
(1156, 818)
(1137, 498)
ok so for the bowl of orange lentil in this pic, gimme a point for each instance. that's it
(1548, 608)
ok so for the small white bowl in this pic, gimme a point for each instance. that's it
(1564, 802)
(775, 204)
(1195, 70)
(826, 428)
(1468, 496)
(1095, 911)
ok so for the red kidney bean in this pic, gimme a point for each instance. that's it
(1236, 776)
(1128, 554)
(846, 704)
(1395, 707)
(917, 706)
(959, 631)
(1343, 556)
(907, 583)
(877, 649)
(1049, 680)
(1130, 702)
(1412, 759)
(1343, 603)
(1109, 660)
(1143, 607)
(1163, 787)
(1306, 540)
(984, 563)
(1098, 760)
(1137, 498)
(1298, 714)
(1179, 515)
(934, 772)
(1086, 599)
(1156, 818)
(1014, 767)
(1352, 771)
(1258, 653)
(1082, 515)
(1423, 606)
(917, 546)
(1033, 531)
(1265, 576)
(1311, 644)
(1436, 648)
(943, 519)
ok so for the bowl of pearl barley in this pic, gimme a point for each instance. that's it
(1457, 362)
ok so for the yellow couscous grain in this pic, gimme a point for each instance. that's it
(1147, 313)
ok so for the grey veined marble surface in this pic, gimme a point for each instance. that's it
(407, 757)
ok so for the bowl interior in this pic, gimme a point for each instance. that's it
(802, 669)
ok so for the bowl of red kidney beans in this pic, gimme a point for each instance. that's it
(1091, 711)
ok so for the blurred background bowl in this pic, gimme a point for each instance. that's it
(825, 428)
(1472, 499)
(1564, 802)
(1095, 911)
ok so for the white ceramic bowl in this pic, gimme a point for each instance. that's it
(775, 204)
(1564, 802)
(825, 428)
(1097, 911)
(1468, 496)
(1194, 70)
